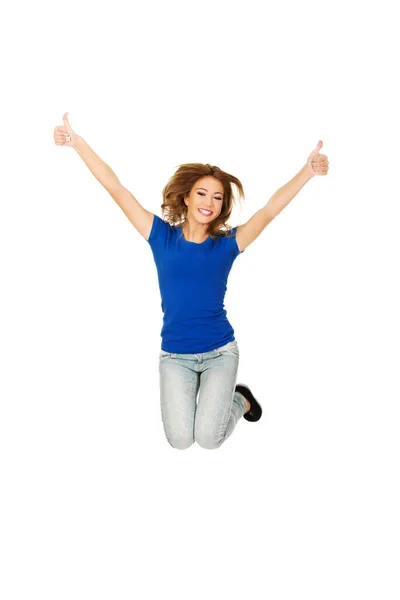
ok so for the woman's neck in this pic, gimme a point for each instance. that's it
(194, 235)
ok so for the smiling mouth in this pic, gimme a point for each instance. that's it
(206, 213)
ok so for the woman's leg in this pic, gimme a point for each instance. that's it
(219, 407)
(179, 384)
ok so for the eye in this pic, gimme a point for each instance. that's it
(203, 194)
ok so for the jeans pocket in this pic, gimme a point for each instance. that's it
(163, 355)
(230, 349)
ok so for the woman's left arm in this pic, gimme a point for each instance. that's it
(317, 164)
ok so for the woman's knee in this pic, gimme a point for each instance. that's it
(180, 442)
(209, 442)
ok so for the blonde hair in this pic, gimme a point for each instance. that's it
(174, 209)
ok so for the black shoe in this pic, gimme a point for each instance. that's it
(255, 411)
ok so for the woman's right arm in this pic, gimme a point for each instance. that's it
(98, 167)
(140, 218)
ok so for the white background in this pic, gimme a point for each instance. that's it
(95, 504)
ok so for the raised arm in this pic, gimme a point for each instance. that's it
(317, 164)
(140, 218)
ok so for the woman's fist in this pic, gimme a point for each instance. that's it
(64, 135)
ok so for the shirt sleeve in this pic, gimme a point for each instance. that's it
(158, 231)
(234, 244)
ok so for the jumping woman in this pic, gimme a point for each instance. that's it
(194, 249)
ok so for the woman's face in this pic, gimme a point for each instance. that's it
(206, 193)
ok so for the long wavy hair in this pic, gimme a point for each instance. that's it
(174, 209)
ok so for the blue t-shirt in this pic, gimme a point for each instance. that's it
(192, 279)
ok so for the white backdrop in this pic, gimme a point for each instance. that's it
(95, 504)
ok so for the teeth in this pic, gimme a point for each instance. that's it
(205, 212)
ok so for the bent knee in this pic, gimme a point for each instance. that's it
(180, 443)
(208, 442)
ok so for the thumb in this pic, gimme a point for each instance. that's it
(315, 151)
(318, 147)
(66, 123)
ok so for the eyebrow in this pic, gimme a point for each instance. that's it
(200, 188)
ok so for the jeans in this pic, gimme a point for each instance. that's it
(210, 376)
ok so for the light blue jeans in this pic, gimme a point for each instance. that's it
(210, 377)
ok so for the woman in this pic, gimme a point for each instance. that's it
(194, 249)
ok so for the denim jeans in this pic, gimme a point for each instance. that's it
(210, 377)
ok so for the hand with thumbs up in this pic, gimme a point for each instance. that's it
(318, 164)
(64, 135)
